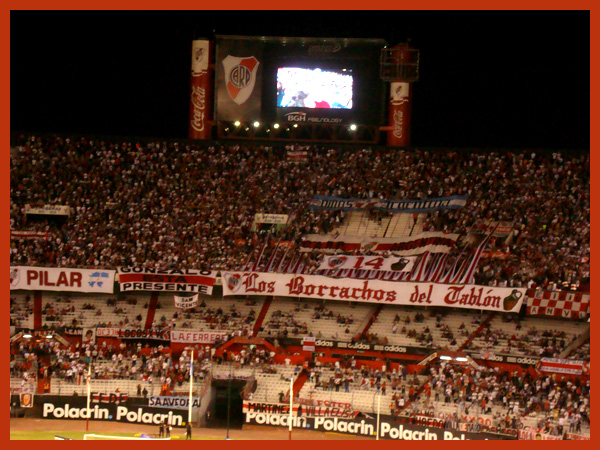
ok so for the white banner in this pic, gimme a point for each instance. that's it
(134, 333)
(48, 210)
(399, 93)
(199, 57)
(186, 302)
(269, 408)
(61, 279)
(373, 291)
(398, 264)
(173, 402)
(172, 280)
(197, 337)
(278, 219)
(531, 435)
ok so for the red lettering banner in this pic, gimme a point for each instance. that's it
(374, 291)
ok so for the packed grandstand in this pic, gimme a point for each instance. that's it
(266, 239)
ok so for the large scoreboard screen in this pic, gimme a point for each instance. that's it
(314, 88)
(309, 80)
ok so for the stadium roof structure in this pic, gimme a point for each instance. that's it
(306, 40)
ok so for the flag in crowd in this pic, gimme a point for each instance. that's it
(429, 266)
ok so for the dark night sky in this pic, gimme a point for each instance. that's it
(488, 79)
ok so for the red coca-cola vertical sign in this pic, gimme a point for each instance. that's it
(405, 62)
(201, 92)
(399, 114)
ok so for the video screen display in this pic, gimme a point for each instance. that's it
(314, 88)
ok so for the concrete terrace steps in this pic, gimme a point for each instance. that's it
(358, 223)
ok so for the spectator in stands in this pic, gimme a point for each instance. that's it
(549, 244)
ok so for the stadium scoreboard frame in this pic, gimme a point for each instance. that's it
(240, 89)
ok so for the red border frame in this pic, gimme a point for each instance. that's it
(272, 5)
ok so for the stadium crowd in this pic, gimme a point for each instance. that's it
(557, 404)
(182, 205)
(125, 361)
(556, 401)
(167, 205)
(532, 342)
(280, 322)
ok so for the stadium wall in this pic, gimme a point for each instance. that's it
(389, 428)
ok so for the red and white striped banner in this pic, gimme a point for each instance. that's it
(308, 343)
(556, 365)
(14, 234)
(433, 242)
(297, 155)
(378, 263)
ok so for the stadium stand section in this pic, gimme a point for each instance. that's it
(170, 205)
(116, 184)
(327, 320)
